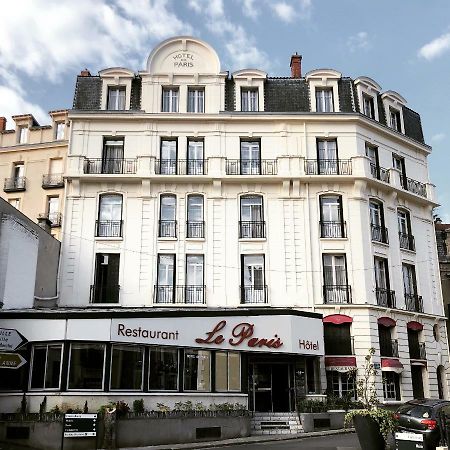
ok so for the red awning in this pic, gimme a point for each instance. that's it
(386, 322)
(337, 319)
(391, 365)
(340, 363)
(416, 326)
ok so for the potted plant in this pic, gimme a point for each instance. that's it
(372, 424)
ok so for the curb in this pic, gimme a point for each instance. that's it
(242, 441)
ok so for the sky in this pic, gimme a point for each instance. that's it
(404, 45)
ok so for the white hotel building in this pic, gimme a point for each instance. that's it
(289, 217)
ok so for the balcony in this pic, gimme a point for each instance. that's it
(407, 241)
(52, 180)
(254, 294)
(108, 228)
(251, 167)
(328, 167)
(333, 230)
(379, 234)
(15, 184)
(117, 166)
(195, 230)
(168, 228)
(414, 302)
(337, 294)
(418, 351)
(54, 218)
(389, 348)
(416, 187)
(181, 294)
(252, 230)
(385, 298)
(181, 167)
(104, 294)
(380, 173)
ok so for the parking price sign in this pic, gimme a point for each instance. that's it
(80, 425)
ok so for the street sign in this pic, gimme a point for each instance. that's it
(10, 340)
(80, 425)
(11, 361)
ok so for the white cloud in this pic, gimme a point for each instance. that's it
(249, 8)
(438, 137)
(359, 41)
(284, 11)
(435, 48)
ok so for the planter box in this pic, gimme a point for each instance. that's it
(332, 420)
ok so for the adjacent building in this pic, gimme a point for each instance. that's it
(241, 238)
(32, 163)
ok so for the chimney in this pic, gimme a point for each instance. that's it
(85, 73)
(296, 66)
(2, 123)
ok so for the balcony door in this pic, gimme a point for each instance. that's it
(168, 161)
(335, 279)
(399, 163)
(106, 280)
(195, 157)
(253, 279)
(167, 222)
(409, 280)
(110, 215)
(327, 157)
(195, 216)
(372, 154)
(112, 158)
(250, 158)
(252, 217)
(53, 209)
(382, 282)
(331, 216)
(194, 278)
(166, 279)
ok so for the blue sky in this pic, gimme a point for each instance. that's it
(404, 45)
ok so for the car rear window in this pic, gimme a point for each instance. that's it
(418, 411)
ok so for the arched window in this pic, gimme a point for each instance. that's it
(404, 230)
(195, 225)
(109, 223)
(252, 224)
(378, 229)
(332, 224)
(167, 216)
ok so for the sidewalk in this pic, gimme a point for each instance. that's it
(240, 441)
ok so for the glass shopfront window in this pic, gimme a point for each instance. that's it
(86, 366)
(228, 371)
(126, 367)
(197, 370)
(163, 373)
(46, 367)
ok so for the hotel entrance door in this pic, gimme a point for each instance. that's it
(270, 387)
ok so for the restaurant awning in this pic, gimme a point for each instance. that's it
(340, 363)
(337, 319)
(391, 365)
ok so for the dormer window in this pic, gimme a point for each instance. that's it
(324, 100)
(196, 100)
(23, 134)
(249, 99)
(59, 132)
(116, 98)
(368, 106)
(395, 119)
(170, 99)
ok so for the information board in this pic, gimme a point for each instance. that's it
(80, 425)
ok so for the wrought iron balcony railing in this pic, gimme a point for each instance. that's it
(333, 293)
(380, 173)
(55, 218)
(252, 230)
(15, 184)
(416, 187)
(379, 234)
(108, 228)
(168, 228)
(418, 351)
(328, 167)
(195, 229)
(104, 294)
(385, 298)
(251, 167)
(181, 167)
(110, 166)
(389, 348)
(52, 180)
(333, 230)
(180, 294)
(414, 302)
(254, 294)
(407, 241)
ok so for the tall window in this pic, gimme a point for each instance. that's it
(336, 289)
(170, 99)
(372, 153)
(127, 367)
(253, 289)
(46, 366)
(14, 202)
(327, 156)
(410, 288)
(331, 217)
(195, 222)
(228, 371)
(167, 222)
(195, 157)
(395, 119)
(168, 161)
(86, 366)
(391, 386)
(196, 100)
(23, 135)
(109, 222)
(378, 230)
(368, 106)
(165, 290)
(60, 128)
(382, 287)
(341, 384)
(249, 99)
(337, 339)
(163, 375)
(116, 98)
(194, 279)
(324, 100)
(53, 210)
(18, 171)
(399, 163)
(252, 224)
(197, 370)
(388, 346)
(250, 157)
(404, 230)
(112, 158)
(106, 281)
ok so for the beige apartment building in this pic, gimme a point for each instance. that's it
(32, 164)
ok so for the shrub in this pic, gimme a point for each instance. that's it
(138, 406)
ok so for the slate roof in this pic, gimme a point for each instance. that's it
(413, 125)
(345, 90)
(229, 95)
(286, 95)
(88, 93)
(136, 88)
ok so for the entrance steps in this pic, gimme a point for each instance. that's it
(275, 423)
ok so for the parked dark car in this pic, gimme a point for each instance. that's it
(422, 416)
